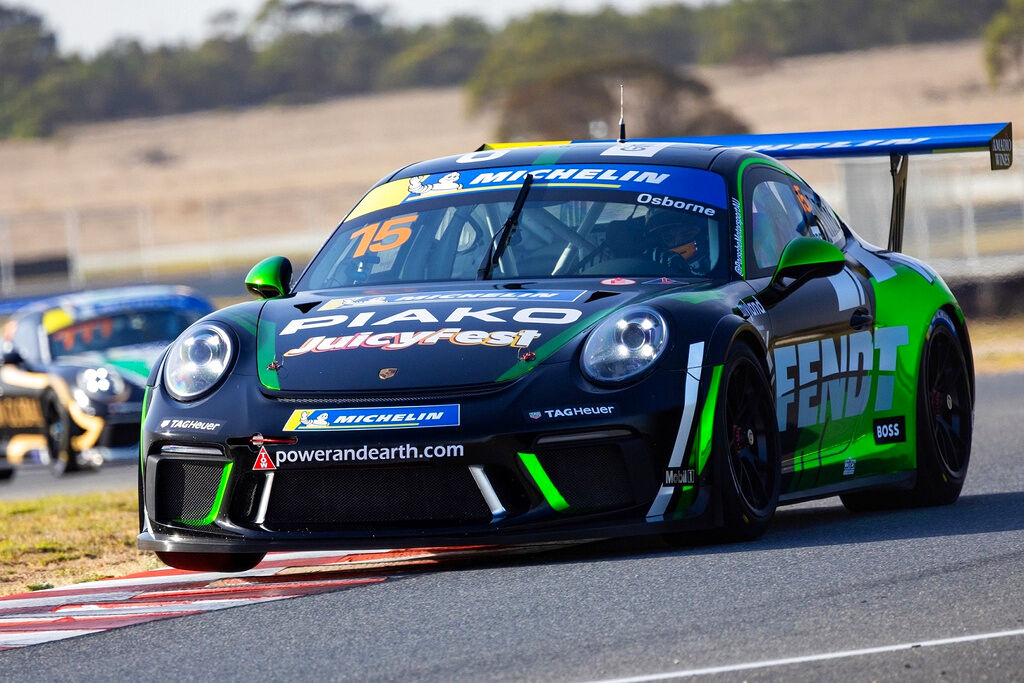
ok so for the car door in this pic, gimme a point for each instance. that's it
(821, 346)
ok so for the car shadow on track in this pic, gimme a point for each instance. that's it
(804, 526)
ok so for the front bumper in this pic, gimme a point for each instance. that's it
(516, 478)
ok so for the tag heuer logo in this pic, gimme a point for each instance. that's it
(387, 373)
(534, 414)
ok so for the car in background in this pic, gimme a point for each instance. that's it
(74, 370)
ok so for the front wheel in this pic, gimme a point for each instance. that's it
(746, 447)
(211, 562)
(58, 437)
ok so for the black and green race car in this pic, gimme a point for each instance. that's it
(531, 343)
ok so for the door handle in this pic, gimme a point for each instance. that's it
(861, 318)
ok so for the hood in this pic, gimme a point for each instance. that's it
(133, 363)
(390, 338)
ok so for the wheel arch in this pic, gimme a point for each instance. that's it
(962, 335)
(733, 330)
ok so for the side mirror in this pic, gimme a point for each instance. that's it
(808, 257)
(271, 277)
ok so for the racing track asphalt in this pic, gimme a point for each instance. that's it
(33, 481)
(821, 583)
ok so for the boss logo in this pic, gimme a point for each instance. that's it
(890, 430)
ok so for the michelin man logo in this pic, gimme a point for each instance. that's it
(319, 421)
(447, 183)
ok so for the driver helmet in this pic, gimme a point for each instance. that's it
(679, 232)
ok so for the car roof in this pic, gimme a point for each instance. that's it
(661, 153)
(91, 303)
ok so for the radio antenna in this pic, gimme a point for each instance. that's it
(622, 115)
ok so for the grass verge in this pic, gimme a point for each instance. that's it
(62, 540)
(998, 344)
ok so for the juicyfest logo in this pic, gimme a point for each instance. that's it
(396, 341)
(347, 419)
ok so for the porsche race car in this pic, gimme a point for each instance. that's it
(74, 368)
(531, 343)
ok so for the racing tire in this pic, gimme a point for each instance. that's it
(63, 458)
(211, 562)
(945, 423)
(945, 416)
(746, 447)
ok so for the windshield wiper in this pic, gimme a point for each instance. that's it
(497, 247)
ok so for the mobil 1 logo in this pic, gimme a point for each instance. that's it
(890, 430)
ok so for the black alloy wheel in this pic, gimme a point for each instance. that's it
(945, 417)
(748, 447)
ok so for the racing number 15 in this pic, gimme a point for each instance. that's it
(390, 234)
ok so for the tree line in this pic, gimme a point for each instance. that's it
(295, 51)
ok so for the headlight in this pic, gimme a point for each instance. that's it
(101, 384)
(624, 346)
(196, 361)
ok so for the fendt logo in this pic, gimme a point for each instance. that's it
(832, 379)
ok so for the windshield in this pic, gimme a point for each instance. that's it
(660, 222)
(121, 329)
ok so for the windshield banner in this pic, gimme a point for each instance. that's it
(698, 185)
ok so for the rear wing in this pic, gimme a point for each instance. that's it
(896, 143)
(996, 138)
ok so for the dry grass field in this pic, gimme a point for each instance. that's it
(205, 189)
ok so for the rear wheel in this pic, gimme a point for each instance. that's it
(211, 562)
(945, 418)
(746, 447)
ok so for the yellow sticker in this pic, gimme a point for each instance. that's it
(382, 197)
(56, 319)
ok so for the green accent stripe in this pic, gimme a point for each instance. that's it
(142, 427)
(549, 156)
(243, 320)
(215, 508)
(543, 481)
(266, 353)
(556, 342)
(707, 419)
(739, 191)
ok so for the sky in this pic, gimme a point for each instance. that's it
(87, 26)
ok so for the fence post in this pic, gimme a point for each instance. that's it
(145, 223)
(7, 283)
(970, 234)
(73, 234)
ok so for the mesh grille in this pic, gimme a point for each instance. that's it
(381, 497)
(590, 478)
(186, 489)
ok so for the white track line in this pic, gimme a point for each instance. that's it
(825, 656)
